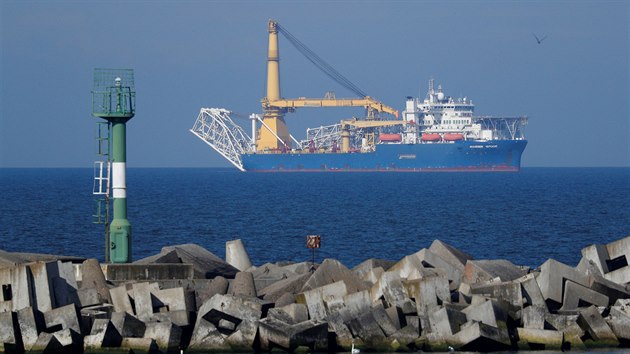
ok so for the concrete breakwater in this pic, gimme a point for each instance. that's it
(437, 299)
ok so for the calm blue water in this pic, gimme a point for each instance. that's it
(524, 217)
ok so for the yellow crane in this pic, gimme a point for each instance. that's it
(274, 105)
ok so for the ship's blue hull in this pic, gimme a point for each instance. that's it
(498, 155)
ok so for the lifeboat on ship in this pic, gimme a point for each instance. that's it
(453, 137)
(431, 137)
(390, 138)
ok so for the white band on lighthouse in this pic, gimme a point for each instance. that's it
(119, 184)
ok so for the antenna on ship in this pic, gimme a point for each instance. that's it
(113, 99)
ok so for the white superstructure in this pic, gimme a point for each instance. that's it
(442, 115)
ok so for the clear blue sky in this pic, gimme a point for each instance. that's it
(191, 54)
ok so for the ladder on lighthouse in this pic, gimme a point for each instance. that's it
(102, 178)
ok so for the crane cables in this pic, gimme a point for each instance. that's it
(320, 63)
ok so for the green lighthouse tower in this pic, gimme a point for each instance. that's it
(113, 99)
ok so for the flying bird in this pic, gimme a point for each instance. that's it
(539, 40)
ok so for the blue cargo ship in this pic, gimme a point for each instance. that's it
(438, 133)
(498, 155)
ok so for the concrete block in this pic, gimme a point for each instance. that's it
(454, 271)
(179, 318)
(162, 257)
(509, 291)
(414, 322)
(367, 329)
(552, 277)
(383, 320)
(331, 271)
(489, 312)
(396, 316)
(128, 325)
(218, 285)
(534, 317)
(176, 299)
(291, 285)
(65, 341)
(364, 268)
(10, 340)
(43, 273)
(92, 277)
(140, 345)
(119, 272)
(65, 286)
(285, 299)
(316, 300)
(66, 317)
(236, 255)
(6, 306)
(243, 312)
(205, 264)
(88, 297)
(620, 325)
(606, 287)
(573, 335)
(10, 259)
(611, 260)
(16, 287)
(343, 335)
(622, 305)
(450, 254)
(167, 336)
(296, 312)
(243, 285)
(102, 334)
(598, 255)
(143, 300)
(207, 338)
(277, 334)
(311, 334)
(227, 325)
(270, 273)
(353, 305)
(300, 268)
(531, 290)
(406, 266)
(478, 336)
(428, 292)
(591, 321)
(560, 322)
(445, 322)
(120, 300)
(31, 322)
(539, 339)
(46, 343)
(389, 287)
(406, 336)
(576, 295)
(489, 270)
(281, 315)
(373, 276)
(407, 307)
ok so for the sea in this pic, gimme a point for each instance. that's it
(525, 217)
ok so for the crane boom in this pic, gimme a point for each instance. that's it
(367, 102)
(371, 123)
